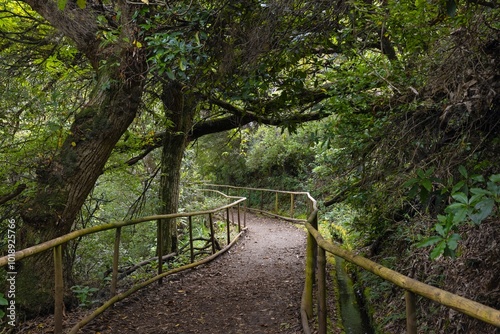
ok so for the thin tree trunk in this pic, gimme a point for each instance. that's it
(179, 112)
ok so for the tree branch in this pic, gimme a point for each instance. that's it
(78, 24)
(224, 124)
(5, 198)
(238, 117)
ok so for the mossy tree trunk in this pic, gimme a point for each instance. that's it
(180, 106)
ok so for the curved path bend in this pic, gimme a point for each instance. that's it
(254, 288)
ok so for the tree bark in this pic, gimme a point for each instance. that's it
(180, 107)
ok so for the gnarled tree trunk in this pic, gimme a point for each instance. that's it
(63, 185)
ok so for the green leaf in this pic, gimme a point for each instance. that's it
(81, 3)
(182, 64)
(429, 241)
(455, 207)
(197, 38)
(477, 178)
(460, 215)
(438, 250)
(453, 241)
(440, 230)
(443, 219)
(484, 209)
(460, 197)
(421, 173)
(479, 191)
(463, 172)
(170, 74)
(408, 183)
(495, 178)
(493, 188)
(427, 184)
(457, 187)
(475, 199)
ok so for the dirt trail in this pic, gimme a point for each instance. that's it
(254, 288)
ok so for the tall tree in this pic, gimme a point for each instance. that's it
(180, 107)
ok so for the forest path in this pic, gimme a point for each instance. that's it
(253, 288)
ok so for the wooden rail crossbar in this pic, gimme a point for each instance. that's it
(57, 243)
(315, 269)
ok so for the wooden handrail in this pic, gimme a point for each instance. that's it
(261, 189)
(312, 201)
(456, 302)
(30, 251)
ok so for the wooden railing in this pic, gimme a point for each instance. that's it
(57, 244)
(286, 205)
(316, 271)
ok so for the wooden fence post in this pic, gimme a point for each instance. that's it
(191, 246)
(411, 313)
(309, 280)
(276, 208)
(228, 227)
(59, 289)
(292, 204)
(159, 249)
(314, 224)
(245, 215)
(116, 256)
(239, 220)
(262, 200)
(212, 233)
(321, 291)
